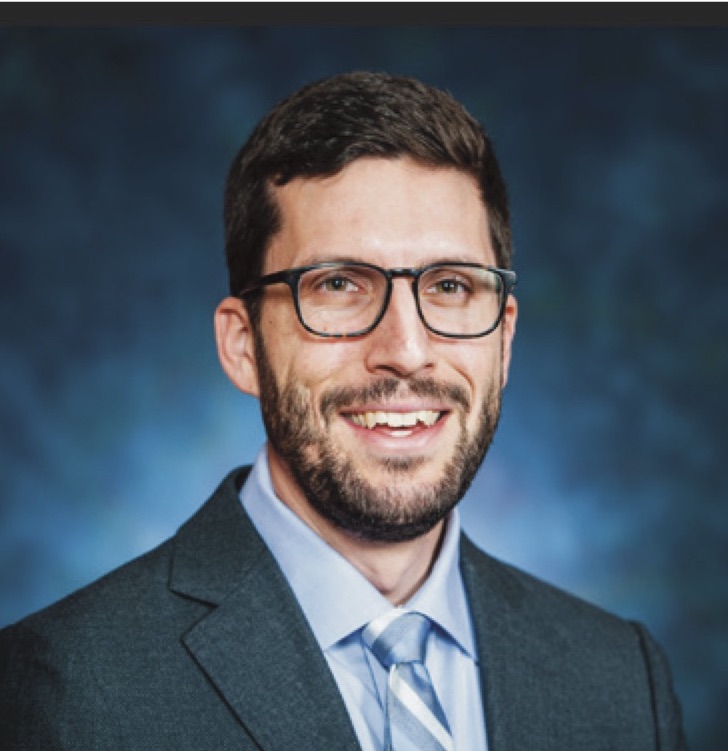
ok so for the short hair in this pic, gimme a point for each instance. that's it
(324, 126)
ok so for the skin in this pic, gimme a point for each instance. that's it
(390, 213)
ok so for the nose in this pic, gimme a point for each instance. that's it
(400, 345)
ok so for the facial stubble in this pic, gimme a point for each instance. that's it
(336, 489)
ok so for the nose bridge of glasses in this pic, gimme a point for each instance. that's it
(404, 273)
(400, 273)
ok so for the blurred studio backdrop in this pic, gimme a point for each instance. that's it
(116, 421)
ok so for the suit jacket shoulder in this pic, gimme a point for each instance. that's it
(198, 644)
(560, 673)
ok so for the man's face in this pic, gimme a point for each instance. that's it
(334, 408)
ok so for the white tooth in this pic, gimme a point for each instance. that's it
(430, 418)
(395, 419)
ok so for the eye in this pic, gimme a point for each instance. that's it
(448, 287)
(338, 283)
(335, 283)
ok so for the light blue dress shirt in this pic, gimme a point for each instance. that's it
(339, 601)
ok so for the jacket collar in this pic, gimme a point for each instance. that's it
(255, 644)
(515, 667)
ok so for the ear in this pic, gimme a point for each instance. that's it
(510, 315)
(235, 345)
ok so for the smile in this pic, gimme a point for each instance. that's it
(426, 417)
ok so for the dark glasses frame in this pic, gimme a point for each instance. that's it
(291, 277)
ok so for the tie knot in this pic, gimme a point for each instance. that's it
(397, 636)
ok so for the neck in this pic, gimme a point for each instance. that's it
(396, 569)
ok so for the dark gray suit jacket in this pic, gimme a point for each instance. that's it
(200, 645)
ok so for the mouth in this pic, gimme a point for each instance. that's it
(396, 423)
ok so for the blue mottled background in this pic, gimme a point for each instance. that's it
(116, 420)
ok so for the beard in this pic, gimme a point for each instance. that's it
(340, 493)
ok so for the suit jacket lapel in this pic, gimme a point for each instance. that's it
(255, 645)
(514, 672)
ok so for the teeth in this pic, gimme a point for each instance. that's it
(395, 419)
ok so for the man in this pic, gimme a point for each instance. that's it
(326, 598)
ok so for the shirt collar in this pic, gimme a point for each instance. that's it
(320, 576)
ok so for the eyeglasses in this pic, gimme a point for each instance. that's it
(456, 300)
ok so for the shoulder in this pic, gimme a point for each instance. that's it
(80, 634)
(520, 593)
(541, 646)
(78, 665)
(58, 659)
(585, 655)
(554, 627)
(134, 598)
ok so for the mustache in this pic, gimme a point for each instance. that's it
(386, 388)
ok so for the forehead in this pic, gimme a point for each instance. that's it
(392, 212)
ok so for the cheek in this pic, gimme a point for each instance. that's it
(314, 367)
(480, 366)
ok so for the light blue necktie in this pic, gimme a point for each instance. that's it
(414, 719)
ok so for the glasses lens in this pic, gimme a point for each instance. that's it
(341, 299)
(461, 300)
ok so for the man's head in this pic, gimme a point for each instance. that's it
(375, 434)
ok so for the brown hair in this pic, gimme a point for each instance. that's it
(324, 126)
